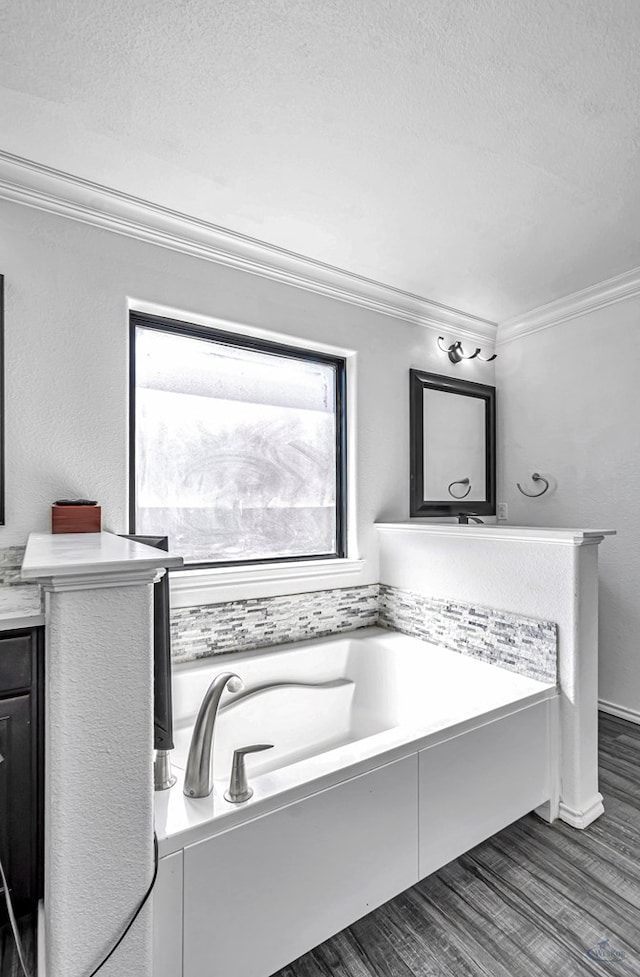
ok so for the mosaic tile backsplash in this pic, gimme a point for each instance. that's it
(521, 644)
(11, 558)
(240, 625)
(17, 598)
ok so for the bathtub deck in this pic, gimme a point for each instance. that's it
(528, 902)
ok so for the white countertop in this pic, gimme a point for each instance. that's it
(530, 534)
(73, 554)
(20, 607)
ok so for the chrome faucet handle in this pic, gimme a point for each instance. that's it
(239, 789)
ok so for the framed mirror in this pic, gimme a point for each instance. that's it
(453, 446)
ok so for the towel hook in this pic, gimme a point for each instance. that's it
(460, 481)
(536, 477)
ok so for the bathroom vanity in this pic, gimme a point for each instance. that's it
(21, 745)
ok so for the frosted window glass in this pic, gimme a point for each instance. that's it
(235, 453)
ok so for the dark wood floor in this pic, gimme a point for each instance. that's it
(530, 902)
(9, 963)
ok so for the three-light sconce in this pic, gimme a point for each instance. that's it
(456, 353)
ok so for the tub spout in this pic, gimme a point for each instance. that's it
(198, 778)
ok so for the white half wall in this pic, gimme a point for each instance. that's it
(569, 408)
(98, 786)
(67, 292)
(552, 580)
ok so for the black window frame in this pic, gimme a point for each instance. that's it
(238, 340)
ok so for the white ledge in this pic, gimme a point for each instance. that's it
(515, 534)
(216, 585)
(98, 559)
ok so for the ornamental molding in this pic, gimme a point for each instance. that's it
(54, 191)
(572, 306)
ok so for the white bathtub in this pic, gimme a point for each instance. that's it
(380, 740)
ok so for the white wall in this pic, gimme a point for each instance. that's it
(569, 408)
(67, 287)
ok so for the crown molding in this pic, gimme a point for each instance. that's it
(587, 300)
(54, 191)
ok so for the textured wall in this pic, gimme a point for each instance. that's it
(66, 334)
(570, 409)
(99, 795)
(479, 153)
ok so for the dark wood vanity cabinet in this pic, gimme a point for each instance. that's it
(21, 766)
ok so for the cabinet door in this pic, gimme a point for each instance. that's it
(473, 785)
(17, 808)
(167, 917)
(16, 672)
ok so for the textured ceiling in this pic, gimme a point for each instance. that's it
(481, 153)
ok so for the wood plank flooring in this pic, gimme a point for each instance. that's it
(530, 902)
(9, 963)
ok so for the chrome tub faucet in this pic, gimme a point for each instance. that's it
(198, 778)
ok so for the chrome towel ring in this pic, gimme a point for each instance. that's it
(536, 477)
(459, 481)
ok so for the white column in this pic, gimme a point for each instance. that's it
(580, 799)
(98, 756)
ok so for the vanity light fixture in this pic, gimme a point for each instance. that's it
(456, 353)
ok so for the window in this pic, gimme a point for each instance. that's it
(237, 445)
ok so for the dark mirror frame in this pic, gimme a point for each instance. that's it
(418, 381)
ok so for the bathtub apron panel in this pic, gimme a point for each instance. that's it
(472, 786)
(261, 894)
(167, 917)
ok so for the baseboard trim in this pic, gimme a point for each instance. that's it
(582, 819)
(631, 715)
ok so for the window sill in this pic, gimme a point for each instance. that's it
(191, 588)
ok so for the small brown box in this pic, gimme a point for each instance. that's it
(76, 518)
